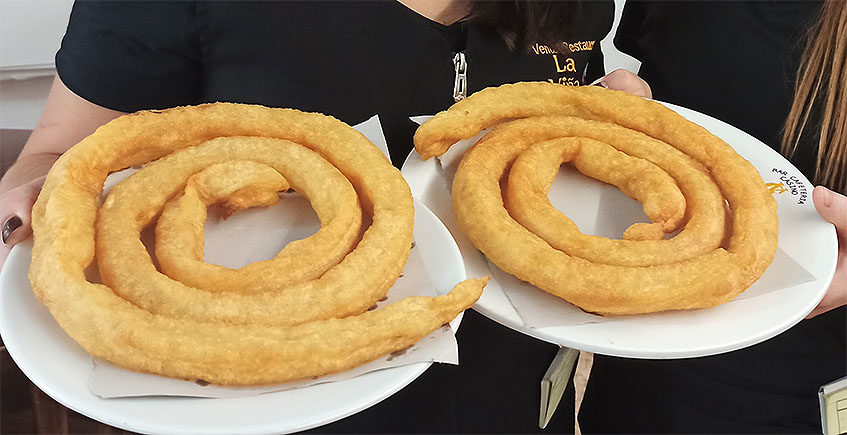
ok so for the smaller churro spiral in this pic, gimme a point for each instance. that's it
(654, 155)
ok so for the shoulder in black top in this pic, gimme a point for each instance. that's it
(735, 61)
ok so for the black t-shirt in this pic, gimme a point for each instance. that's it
(350, 60)
(734, 61)
(347, 59)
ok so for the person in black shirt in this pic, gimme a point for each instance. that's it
(737, 61)
(350, 60)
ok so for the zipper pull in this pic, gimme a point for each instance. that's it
(460, 85)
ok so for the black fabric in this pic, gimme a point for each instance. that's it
(734, 61)
(767, 388)
(494, 389)
(347, 59)
(350, 60)
(127, 56)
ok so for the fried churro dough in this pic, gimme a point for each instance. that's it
(696, 268)
(162, 333)
(237, 185)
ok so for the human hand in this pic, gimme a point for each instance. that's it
(15, 212)
(833, 208)
(623, 80)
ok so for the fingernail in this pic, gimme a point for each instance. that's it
(602, 84)
(10, 226)
(827, 196)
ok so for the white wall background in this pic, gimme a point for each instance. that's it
(30, 34)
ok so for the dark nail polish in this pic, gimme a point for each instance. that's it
(10, 226)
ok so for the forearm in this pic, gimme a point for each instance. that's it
(26, 169)
(66, 120)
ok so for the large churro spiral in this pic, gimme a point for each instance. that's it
(730, 225)
(301, 314)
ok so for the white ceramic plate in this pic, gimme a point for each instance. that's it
(60, 367)
(804, 236)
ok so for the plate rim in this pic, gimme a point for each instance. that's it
(555, 334)
(111, 416)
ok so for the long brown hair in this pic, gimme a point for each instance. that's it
(822, 89)
(522, 23)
